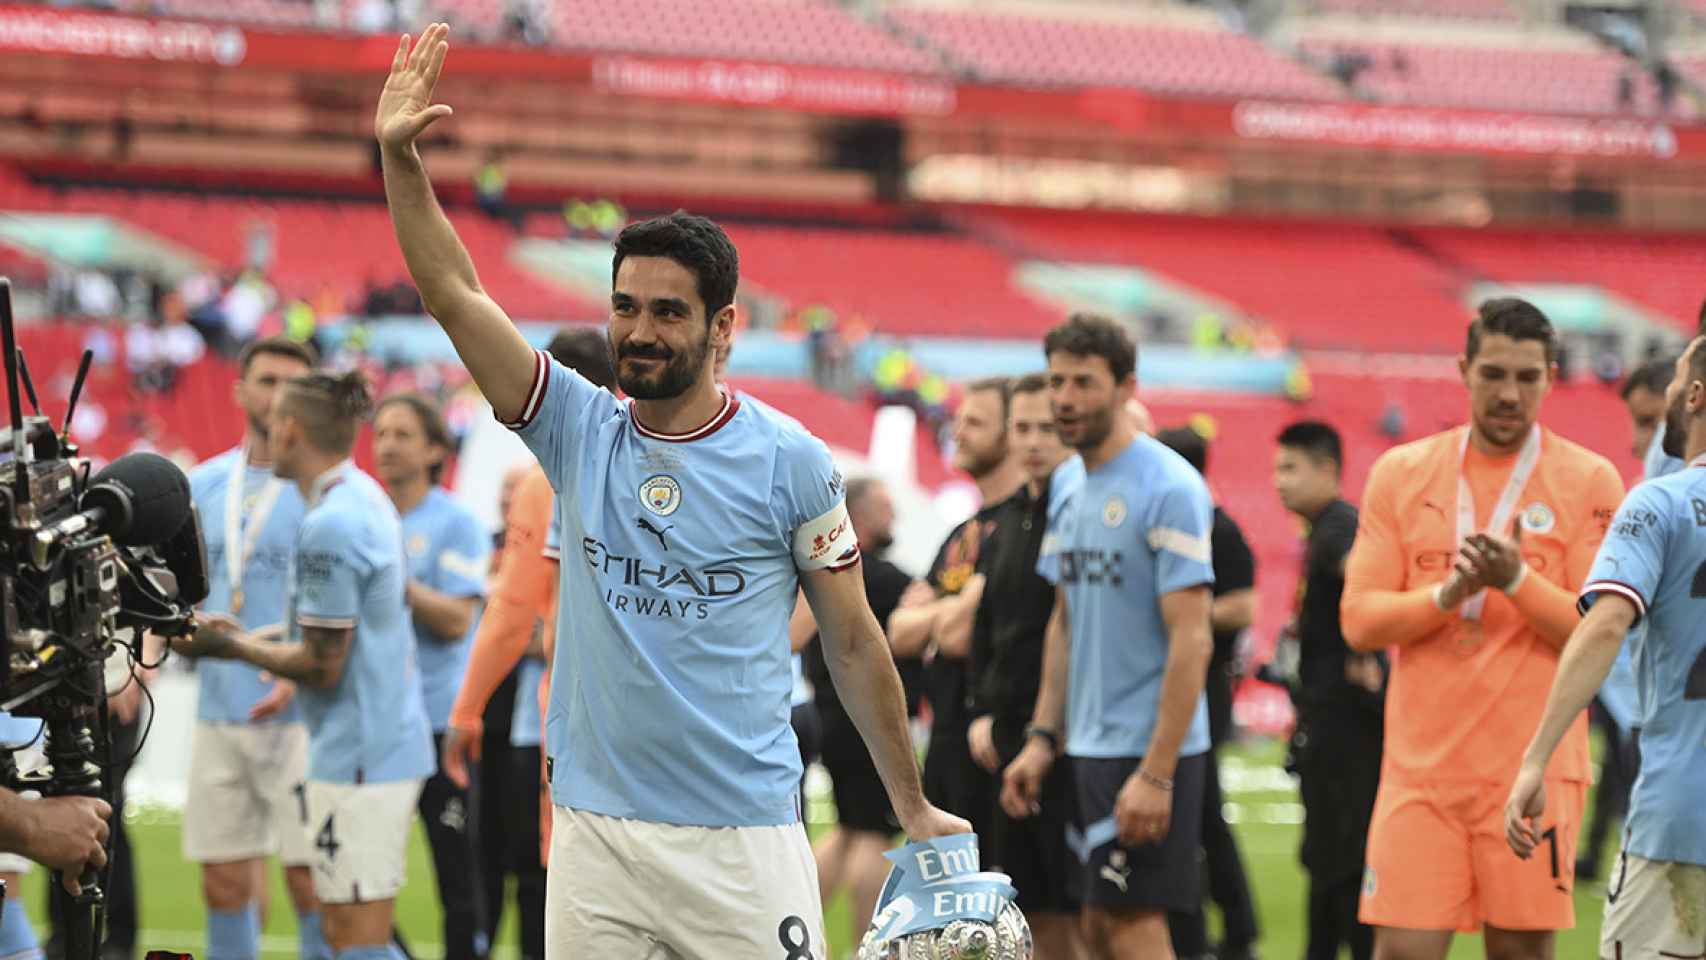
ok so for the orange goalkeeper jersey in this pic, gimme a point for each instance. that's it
(521, 594)
(1466, 697)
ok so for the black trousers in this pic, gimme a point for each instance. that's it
(1333, 921)
(1227, 883)
(523, 812)
(495, 777)
(1338, 751)
(450, 815)
(120, 943)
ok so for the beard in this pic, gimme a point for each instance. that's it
(1503, 434)
(1676, 428)
(1095, 429)
(680, 370)
(880, 543)
(980, 463)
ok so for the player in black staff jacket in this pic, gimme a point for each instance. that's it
(1004, 672)
(1339, 696)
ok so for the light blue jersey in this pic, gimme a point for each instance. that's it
(230, 688)
(1655, 556)
(449, 552)
(17, 733)
(1134, 529)
(802, 690)
(524, 723)
(671, 681)
(349, 572)
(1618, 693)
(1657, 463)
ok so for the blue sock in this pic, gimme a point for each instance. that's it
(17, 937)
(312, 937)
(383, 951)
(233, 934)
(397, 952)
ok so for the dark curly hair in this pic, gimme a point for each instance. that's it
(696, 243)
(1093, 335)
(1514, 318)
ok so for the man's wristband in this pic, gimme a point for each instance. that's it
(1159, 783)
(1516, 581)
(1044, 733)
(1439, 598)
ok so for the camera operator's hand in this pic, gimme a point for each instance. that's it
(66, 834)
(215, 636)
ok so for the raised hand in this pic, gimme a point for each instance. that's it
(405, 106)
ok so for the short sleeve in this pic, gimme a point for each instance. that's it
(328, 578)
(1048, 555)
(1234, 564)
(1631, 557)
(812, 500)
(1181, 535)
(561, 407)
(464, 557)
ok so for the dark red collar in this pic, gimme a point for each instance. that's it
(731, 405)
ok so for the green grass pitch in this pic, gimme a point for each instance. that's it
(1257, 791)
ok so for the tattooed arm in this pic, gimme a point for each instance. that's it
(318, 661)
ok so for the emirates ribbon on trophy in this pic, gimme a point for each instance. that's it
(935, 883)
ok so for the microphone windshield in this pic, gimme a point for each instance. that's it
(144, 496)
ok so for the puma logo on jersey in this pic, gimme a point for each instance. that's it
(646, 525)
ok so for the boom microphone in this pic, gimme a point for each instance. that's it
(140, 499)
(143, 499)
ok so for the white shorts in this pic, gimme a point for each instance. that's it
(246, 796)
(649, 891)
(360, 838)
(1654, 909)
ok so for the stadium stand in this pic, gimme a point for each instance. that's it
(1488, 10)
(1494, 78)
(899, 283)
(1047, 51)
(815, 31)
(1380, 296)
(1658, 271)
(346, 245)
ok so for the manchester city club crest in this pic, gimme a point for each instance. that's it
(1114, 511)
(1538, 518)
(417, 544)
(661, 494)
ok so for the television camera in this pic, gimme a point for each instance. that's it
(88, 565)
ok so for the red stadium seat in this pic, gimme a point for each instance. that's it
(1042, 51)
